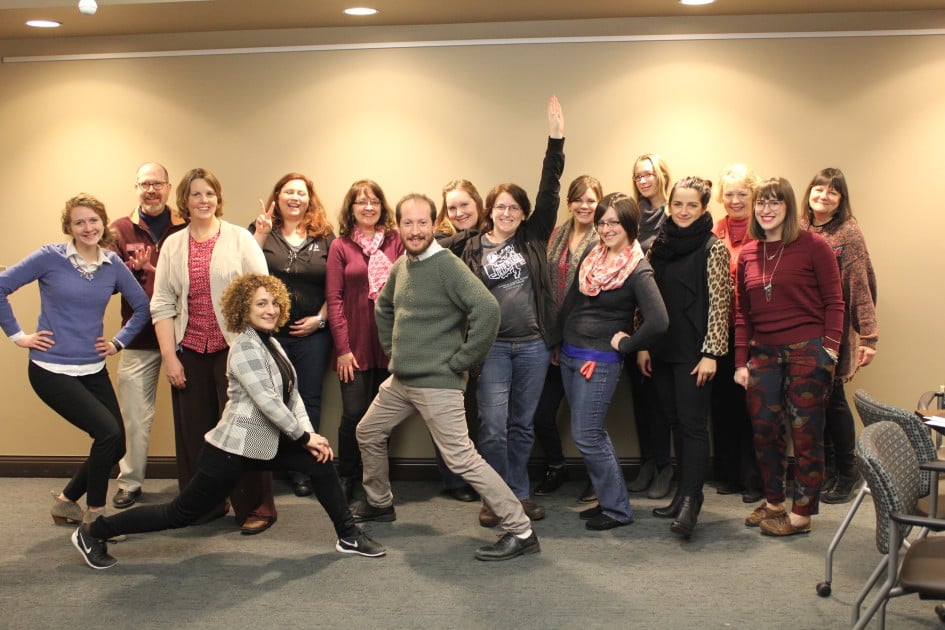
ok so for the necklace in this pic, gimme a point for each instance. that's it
(764, 269)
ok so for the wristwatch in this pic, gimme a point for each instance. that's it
(321, 323)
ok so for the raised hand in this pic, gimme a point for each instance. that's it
(264, 220)
(555, 118)
(140, 260)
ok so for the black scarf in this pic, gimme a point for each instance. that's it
(675, 242)
(285, 368)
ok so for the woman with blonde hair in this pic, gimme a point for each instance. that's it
(462, 208)
(735, 463)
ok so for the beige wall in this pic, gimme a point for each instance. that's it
(414, 118)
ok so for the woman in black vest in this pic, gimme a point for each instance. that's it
(691, 266)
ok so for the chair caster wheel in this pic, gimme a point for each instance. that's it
(940, 611)
(823, 589)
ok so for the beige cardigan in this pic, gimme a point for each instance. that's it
(235, 253)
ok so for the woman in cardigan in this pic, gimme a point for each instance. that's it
(195, 266)
(691, 266)
(736, 467)
(263, 427)
(295, 235)
(613, 280)
(359, 262)
(827, 212)
(509, 256)
(788, 323)
(567, 244)
(651, 182)
(67, 351)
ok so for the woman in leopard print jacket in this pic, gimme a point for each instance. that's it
(691, 266)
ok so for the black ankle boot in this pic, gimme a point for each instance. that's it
(842, 490)
(671, 510)
(685, 522)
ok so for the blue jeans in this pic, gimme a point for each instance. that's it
(510, 384)
(589, 401)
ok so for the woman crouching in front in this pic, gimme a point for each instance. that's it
(264, 427)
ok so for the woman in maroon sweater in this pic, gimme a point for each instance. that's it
(787, 338)
(359, 262)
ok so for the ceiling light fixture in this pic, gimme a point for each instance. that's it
(360, 11)
(88, 7)
(43, 23)
(695, 3)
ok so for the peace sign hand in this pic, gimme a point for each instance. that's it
(264, 220)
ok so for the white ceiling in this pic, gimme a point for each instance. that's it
(130, 17)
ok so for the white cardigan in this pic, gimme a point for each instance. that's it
(236, 252)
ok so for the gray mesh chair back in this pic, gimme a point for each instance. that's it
(872, 411)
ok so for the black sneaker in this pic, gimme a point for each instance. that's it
(94, 551)
(360, 544)
(367, 512)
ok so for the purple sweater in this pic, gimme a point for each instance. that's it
(71, 306)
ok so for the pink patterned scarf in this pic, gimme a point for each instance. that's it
(379, 264)
(598, 275)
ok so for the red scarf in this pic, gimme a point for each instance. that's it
(598, 275)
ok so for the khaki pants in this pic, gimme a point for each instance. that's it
(445, 416)
(137, 385)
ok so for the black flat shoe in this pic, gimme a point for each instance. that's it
(671, 510)
(125, 498)
(603, 522)
(589, 513)
(728, 487)
(554, 477)
(753, 495)
(508, 547)
(463, 493)
(302, 488)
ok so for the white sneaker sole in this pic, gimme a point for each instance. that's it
(342, 549)
(78, 546)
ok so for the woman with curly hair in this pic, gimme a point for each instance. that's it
(295, 235)
(359, 262)
(67, 351)
(264, 427)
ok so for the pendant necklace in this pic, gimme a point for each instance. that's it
(764, 269)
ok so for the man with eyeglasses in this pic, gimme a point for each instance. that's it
(137, 240)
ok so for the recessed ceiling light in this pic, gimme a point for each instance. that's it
(694, 3)
(43, 24)
(360, 11)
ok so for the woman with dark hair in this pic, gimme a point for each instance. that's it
(67, 351)
(787, 335)
(509, 257)
(691, 266)
(195, 266)
(827, 212)
(295, 235)
(736, 467)
(359, 262)
(613, 279)
(567, 244)
(263, 427)
(651, 182)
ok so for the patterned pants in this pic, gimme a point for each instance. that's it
(790, 382)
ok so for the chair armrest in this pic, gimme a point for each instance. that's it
(935, 465)
(934, 524)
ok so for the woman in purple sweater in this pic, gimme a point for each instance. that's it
(68, 349)
(787, 338)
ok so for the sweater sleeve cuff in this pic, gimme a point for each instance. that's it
(869, 342)
(303, 440)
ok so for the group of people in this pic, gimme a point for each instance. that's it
(758, 318)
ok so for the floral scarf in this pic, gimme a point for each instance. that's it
(378, 263)
(598, 275)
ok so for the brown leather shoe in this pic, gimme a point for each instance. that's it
(487, 517)
(782, 526)
(532, 510)
(256, 525)
(761, 513)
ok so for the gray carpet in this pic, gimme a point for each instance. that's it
(641, 576)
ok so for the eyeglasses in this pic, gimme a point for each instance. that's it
(364, 203)
(768, 203)
(607, 224)
(642, 177)
(157, 186)
(512, 208)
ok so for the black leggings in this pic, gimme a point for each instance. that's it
(88, 403)
(217, 474)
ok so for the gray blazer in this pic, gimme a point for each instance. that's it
(255, 415)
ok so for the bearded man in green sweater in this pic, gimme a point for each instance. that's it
(436, 321)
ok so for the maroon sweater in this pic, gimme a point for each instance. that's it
(806, 298)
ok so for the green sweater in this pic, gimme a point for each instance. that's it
(436, 320)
